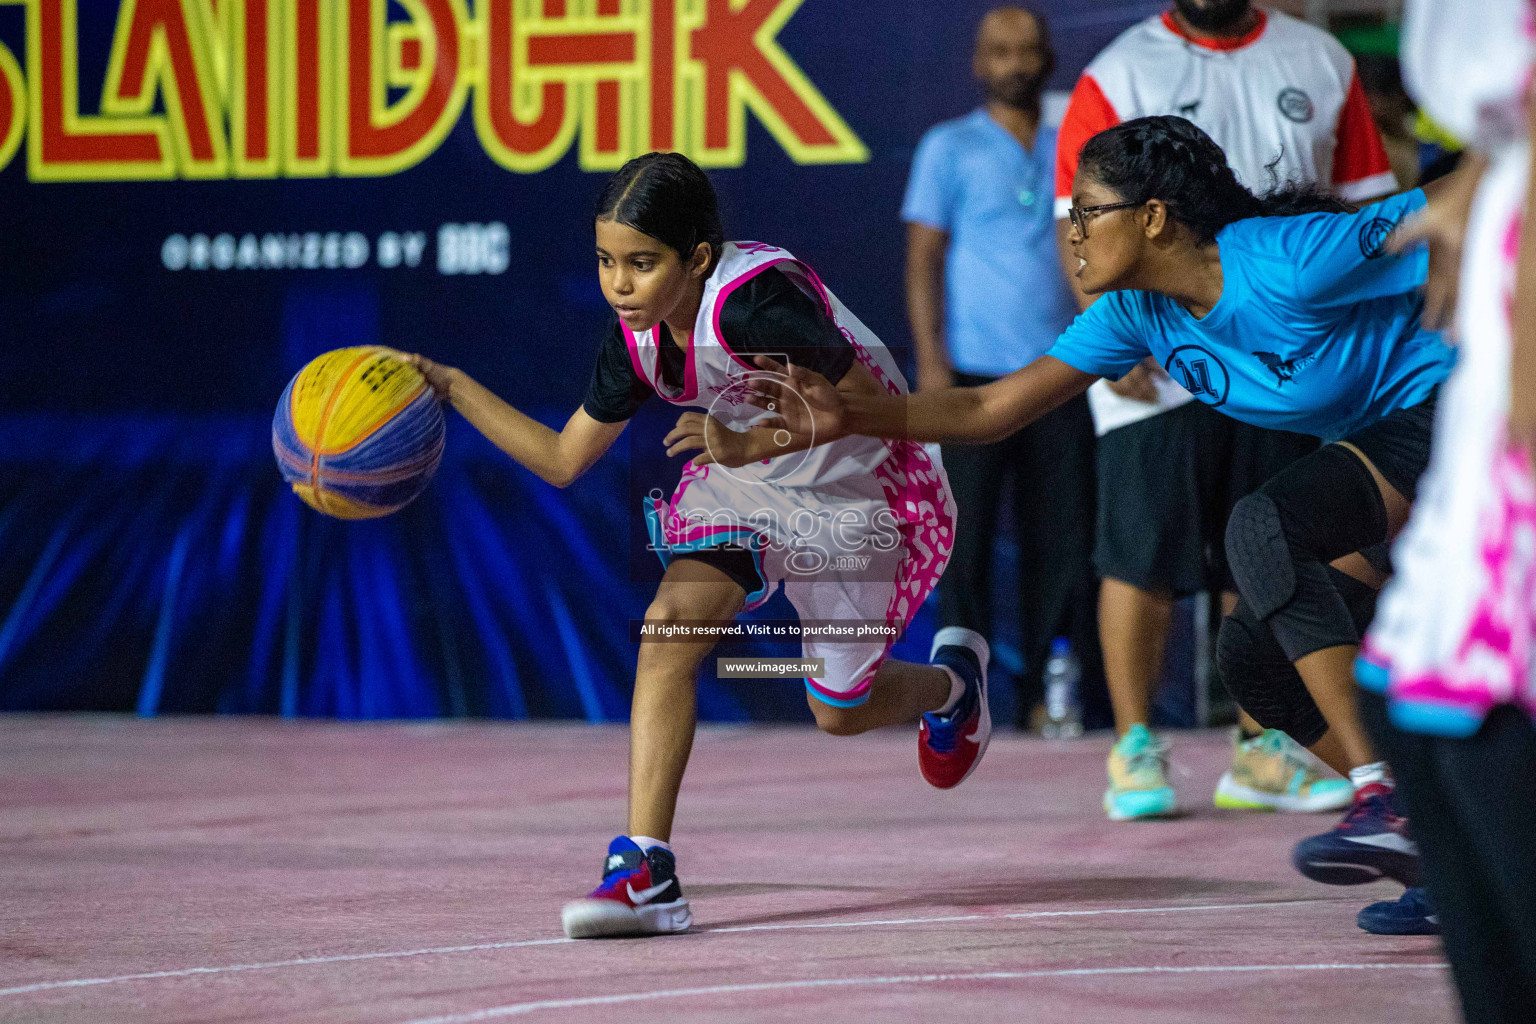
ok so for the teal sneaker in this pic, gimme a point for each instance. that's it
(1138, 783)
(1272, 772)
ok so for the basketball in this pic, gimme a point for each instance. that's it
(358, 433)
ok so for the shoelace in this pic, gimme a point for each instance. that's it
(1293, 763)
(1154, 755)
(1276, 743)
(942, 733)
(1367, 808)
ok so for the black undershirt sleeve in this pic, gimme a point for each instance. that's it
(616, 391)
(769, 315)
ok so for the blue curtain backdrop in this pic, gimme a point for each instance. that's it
(150, 558)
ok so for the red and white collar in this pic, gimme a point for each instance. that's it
(1210, 43)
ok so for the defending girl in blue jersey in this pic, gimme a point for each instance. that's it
(1287, 312)
(857, 529)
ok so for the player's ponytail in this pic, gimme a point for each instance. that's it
(666, 196)
(1169, 158)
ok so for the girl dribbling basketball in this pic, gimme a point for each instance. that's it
(859, 529)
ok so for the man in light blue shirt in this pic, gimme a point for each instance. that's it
(985, 296)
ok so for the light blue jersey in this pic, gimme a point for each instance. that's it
(1005, 297)
(1316, 331)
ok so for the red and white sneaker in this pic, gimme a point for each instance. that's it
(640, 895)
(950, 746)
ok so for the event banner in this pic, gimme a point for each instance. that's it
(208, 89)
(196, 196)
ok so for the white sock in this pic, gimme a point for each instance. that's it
(956, 691)
(1366, 774)
(646, 842)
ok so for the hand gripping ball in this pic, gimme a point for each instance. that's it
(358, 433)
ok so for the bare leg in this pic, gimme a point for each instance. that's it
(1133, 631)
(1331, 752)
(1330, 678)
(899, 693)
(663, 715)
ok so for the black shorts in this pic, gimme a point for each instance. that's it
(1398, 444)
(1166, 486)
(733, 560)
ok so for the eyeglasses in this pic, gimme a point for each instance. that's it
(1079, 214)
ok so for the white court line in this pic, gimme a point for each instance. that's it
(308, 961)
(1009, 917)
(303, 962)
(518, 1009)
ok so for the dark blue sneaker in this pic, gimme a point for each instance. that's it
(949, 747)
(1410, 914)
(1370, 843)
(640, 895)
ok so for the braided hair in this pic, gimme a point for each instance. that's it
(666, 196)
(1169, 158)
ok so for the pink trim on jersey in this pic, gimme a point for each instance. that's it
(1217, 42)
(725, 293)
(690, 372)
(821, 290)
(916, 491)
(634, 352)
(1490, 665)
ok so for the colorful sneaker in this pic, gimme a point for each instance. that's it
(640, 895)
(1272, 772)
(1371, 842)
(1138, 783)
(1410, 914)
(949, 747)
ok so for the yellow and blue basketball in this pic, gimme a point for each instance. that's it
(358, 433)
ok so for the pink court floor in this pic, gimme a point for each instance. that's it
(248, 870)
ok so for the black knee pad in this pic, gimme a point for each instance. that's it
(1260, 677)
(1329, 504)
(1263, 681)
(1258, 556)
(1281, 538)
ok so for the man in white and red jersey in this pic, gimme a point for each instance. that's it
(1283, 100)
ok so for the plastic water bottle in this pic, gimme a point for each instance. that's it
(1063, 710)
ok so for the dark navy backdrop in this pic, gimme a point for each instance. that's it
(149, 557)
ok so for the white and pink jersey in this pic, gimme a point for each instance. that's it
(1283, 102)
(1455, 629)
(859, 529)
(717, 380)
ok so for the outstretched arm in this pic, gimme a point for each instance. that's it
(1442, 223)
(806, 402)
(558, 457)
(731, 448)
